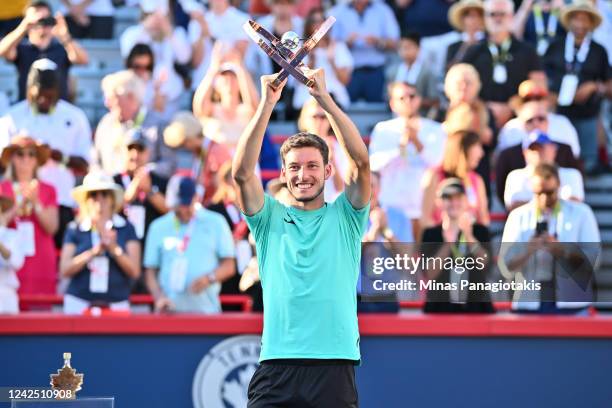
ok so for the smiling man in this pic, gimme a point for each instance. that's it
(308, 255)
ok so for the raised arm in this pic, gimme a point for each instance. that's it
(250, 190)
(358, 175)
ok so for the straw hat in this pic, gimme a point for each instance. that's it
(20, 142)
(98, 181)
(528, 89)
(585, 6)
(183, 126)
(457, 10)
(6, 199)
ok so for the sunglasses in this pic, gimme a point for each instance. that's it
(547, 193)
(25, 153)
(536, 119)
(99, 194)
(497, 14)
(142, 67)
(409, 96)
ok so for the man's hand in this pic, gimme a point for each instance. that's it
(319, 88)
(269, 94)
(31, 18)
(584, 92)
(60, 30)
(77, 11)
(199, 284)
(164, 305)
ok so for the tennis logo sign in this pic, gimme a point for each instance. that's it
(222, 377)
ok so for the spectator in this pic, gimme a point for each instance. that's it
(123, 95)
(539, 148)
(402, 149)
(332, 56)
(11, 15)
(425, 17)
(62, 126)
(224, 202)
(466, 112)
(313, 120)
(462, 153)
(47, 37)
(89, 18)
(467, 17)
(533, 115)
(559, 128)
(192, 250)
(170, 44)
(537, 23)
(222, 23)
(458, 236)
(36, 216)
(385, 224)
(101, 253)
(11, 256)
(502, 62)
(225, 99)
(413, 69)
(159, 96)
(579, 72)
(143, 199)
(546, 236)
(369, 28)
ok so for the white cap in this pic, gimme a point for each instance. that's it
(44, 64)
(151, 6)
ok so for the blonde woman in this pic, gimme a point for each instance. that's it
(36, 216)
(463, 151)
(313, 120)
(101, 252)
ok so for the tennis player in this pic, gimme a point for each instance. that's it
(309, 254)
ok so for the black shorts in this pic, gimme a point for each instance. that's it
(300, 384)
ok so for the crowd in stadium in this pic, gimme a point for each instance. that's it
(491, 102)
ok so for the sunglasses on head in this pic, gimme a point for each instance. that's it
(99, 194)
(536, 119)
(25, 153)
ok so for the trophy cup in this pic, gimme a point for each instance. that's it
(284, 51)
(67, 379)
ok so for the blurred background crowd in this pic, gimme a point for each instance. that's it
(119, 118)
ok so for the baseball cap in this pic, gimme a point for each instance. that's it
(186, 191)
(536, 137)
(135, 137)
(450, 187)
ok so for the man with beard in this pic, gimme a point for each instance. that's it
(309, 253)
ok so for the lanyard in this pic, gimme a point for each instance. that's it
(500, 57)
(538, 19)
(573, 60)
(458, 253)
(184, 241)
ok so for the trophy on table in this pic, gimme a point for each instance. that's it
(284, 51)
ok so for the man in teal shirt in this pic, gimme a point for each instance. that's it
(309, 254)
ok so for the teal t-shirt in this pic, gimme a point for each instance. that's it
(309, 265)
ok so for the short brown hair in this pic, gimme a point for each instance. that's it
(305, 139)
(546, 170)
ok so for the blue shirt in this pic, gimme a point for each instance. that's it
(209, 240)
(308, 265)
(377, 20)
(119, 284)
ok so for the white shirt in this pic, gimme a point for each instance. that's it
(575, 223)
(65, 129)
(400, 181)
(96, 8)
(342, 59)
(175, 48)
(518, 185)
(560, 130)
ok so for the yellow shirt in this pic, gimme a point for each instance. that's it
(12, 9)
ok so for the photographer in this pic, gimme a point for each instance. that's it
(47, 37)
(548, 236)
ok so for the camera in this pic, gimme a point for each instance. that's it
(47, 21)
(541, 228)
